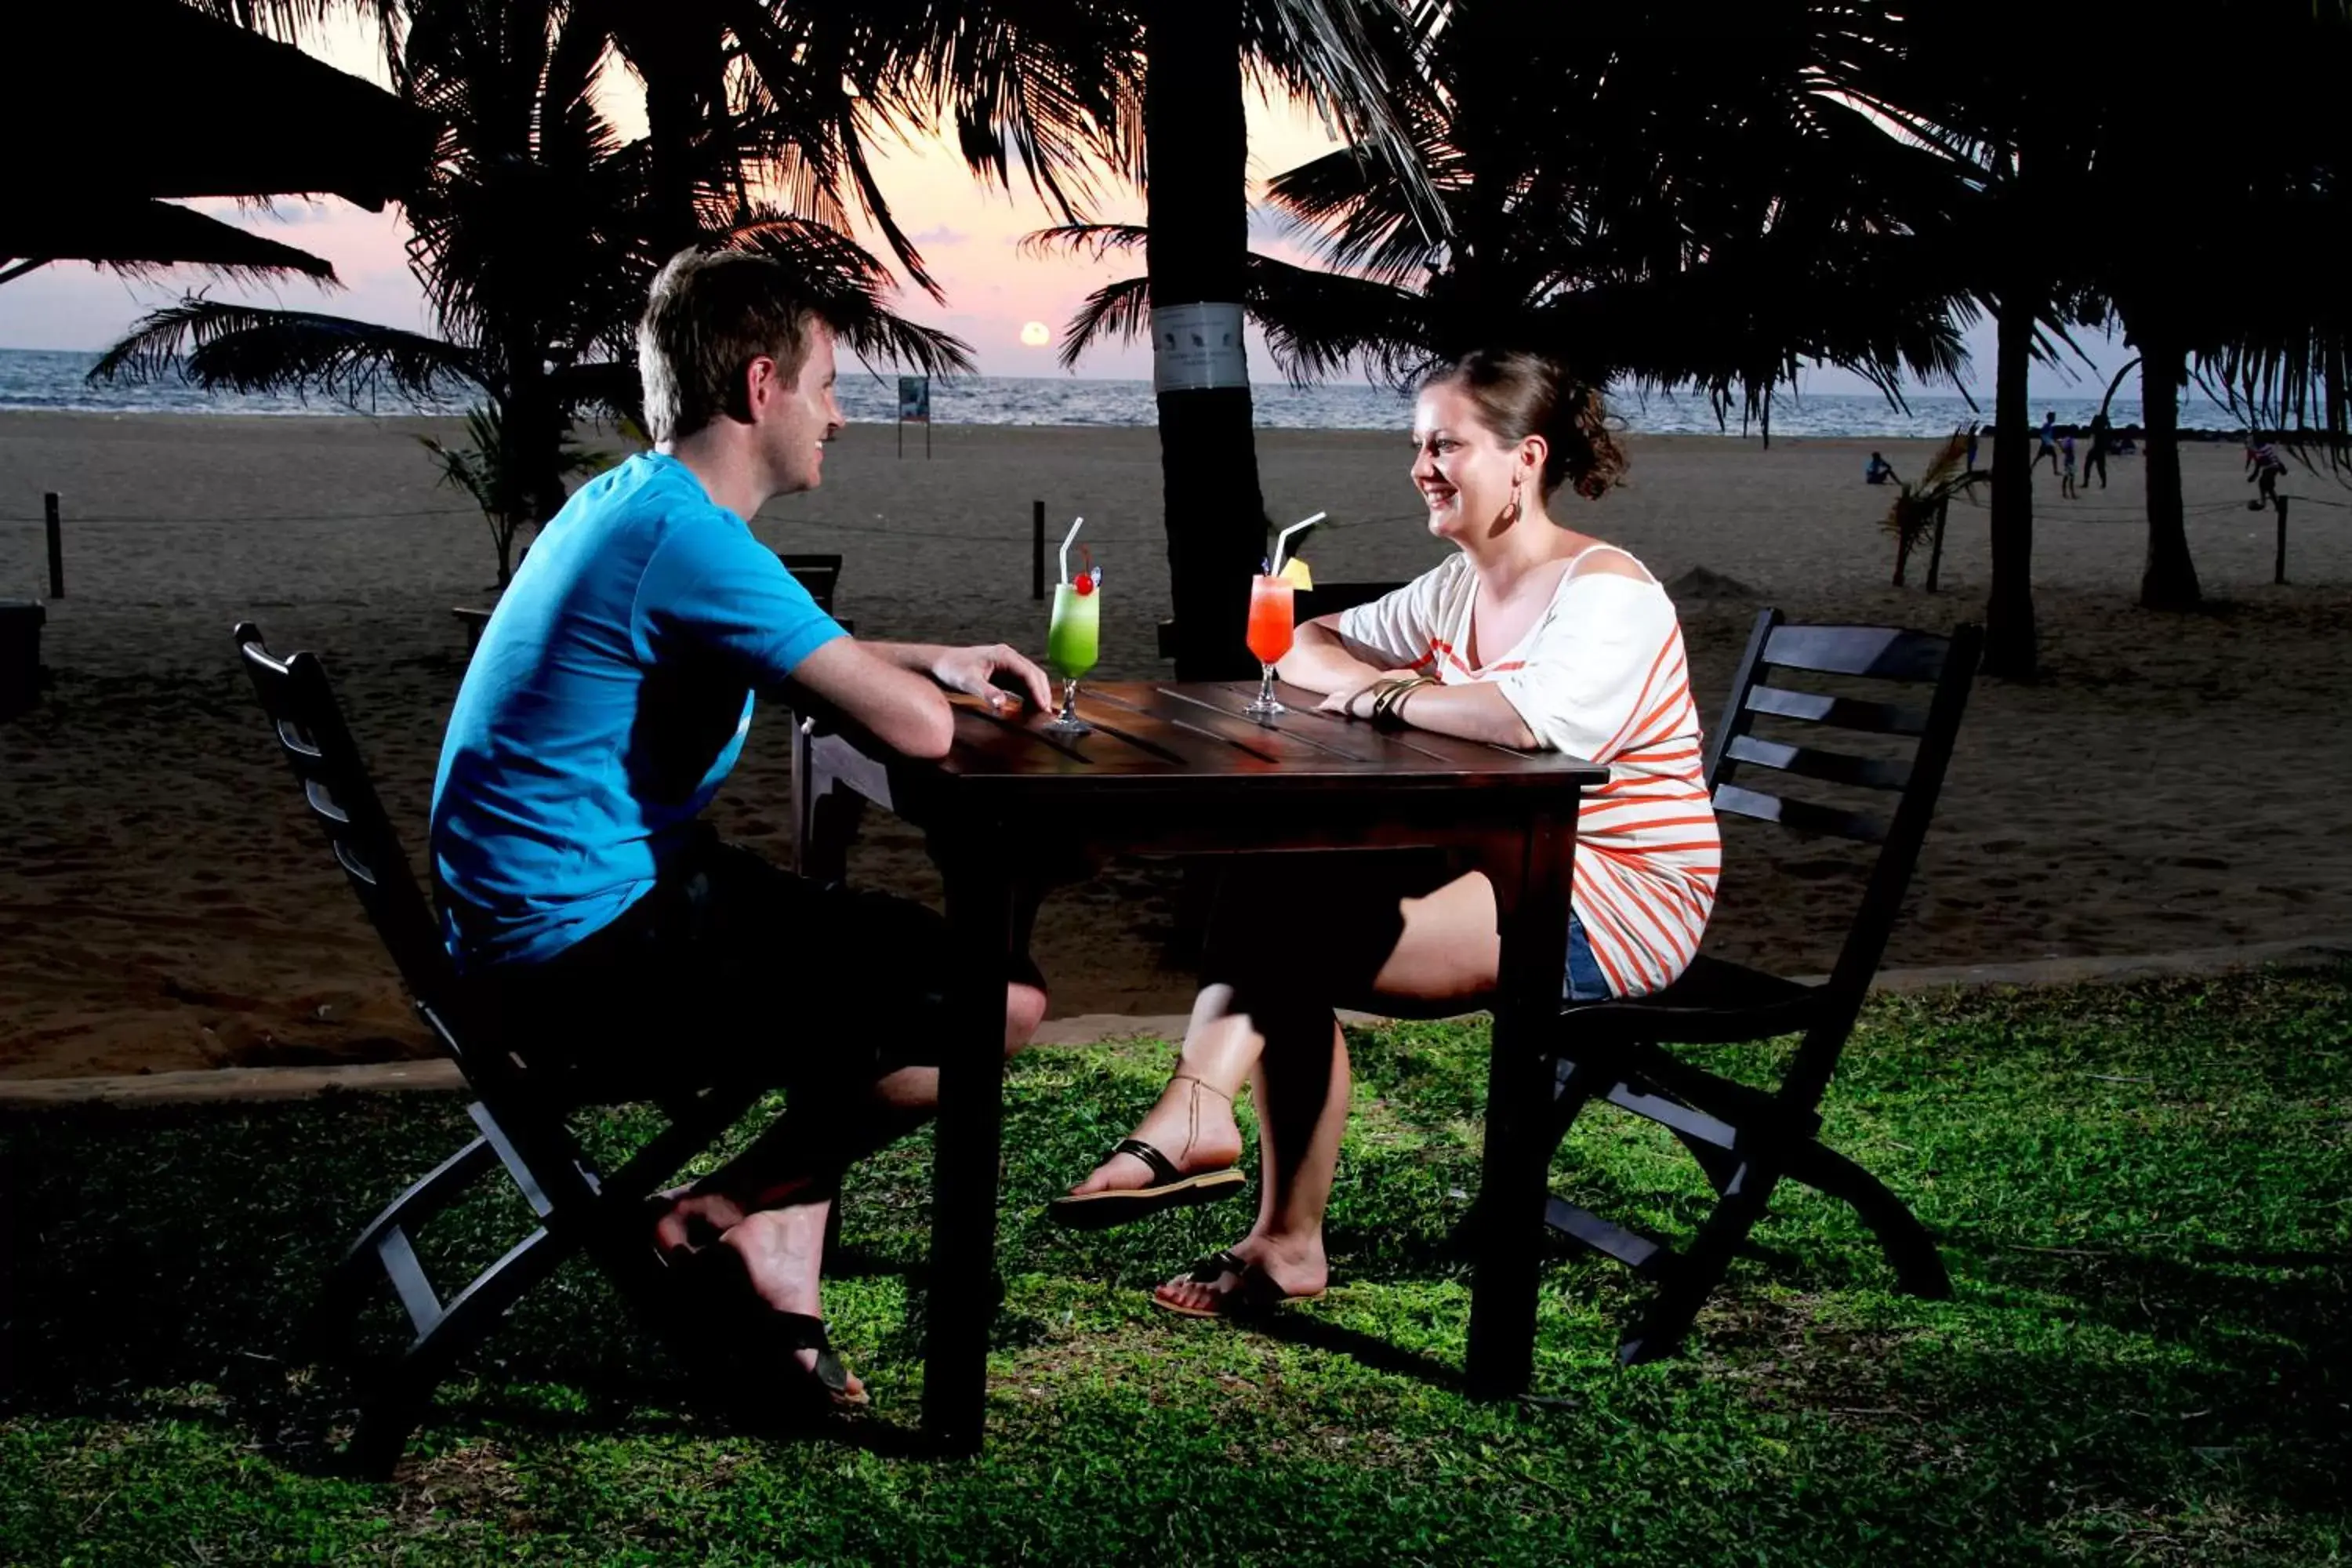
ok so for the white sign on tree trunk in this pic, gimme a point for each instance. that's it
(1198, 346)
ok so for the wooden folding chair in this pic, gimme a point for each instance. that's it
(520, 1114)
(821, 576)
(1748, 1139)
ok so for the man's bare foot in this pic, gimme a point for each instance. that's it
(1280, 1266)
(782, 1251)
(1192, 1125)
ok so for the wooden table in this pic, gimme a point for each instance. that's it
(1179, 769)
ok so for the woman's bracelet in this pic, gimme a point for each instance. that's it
(1387, 707)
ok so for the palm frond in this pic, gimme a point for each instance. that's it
(1120, 309)
(1317, 324)
(1911, 516)
(850, 288)
(243, 348)
(1093, 241)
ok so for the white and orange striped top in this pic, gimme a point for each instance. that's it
(1600, 675)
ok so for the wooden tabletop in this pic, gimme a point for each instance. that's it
(1193, 736)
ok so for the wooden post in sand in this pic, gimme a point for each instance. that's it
(58, 545)
(1036, 549)
(2278, 562)
(1936, 554)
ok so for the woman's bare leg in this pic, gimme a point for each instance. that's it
(1446, 953)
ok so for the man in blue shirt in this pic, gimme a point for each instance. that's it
(588, 911)
(2048, 448)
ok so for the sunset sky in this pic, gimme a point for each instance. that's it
(969, 235)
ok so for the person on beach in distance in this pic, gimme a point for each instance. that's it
(2264, 465)
(2066, 452)
(2102, 434)
(1531, 634)
(2048, 448)
(1877, 471)
(592, 917)
(1972, 448)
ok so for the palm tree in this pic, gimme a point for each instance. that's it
(535, 240)
(2221, 260)
(1061, 88)
(1655, 217)
(1957, 82)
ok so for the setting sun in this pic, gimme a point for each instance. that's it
(1036, 335)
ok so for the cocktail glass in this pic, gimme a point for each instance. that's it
(1073, 642)
(1270, 608)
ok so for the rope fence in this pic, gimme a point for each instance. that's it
(2056, 512)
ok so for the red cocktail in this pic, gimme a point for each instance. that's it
(1270, 608)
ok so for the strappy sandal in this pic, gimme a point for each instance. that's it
(1255, 1296)
(1171, 1188)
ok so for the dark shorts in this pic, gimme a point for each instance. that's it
(734, 969)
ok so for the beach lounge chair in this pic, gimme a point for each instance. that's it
(519, 1113)
(1748, 1140)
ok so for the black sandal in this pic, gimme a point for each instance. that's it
(1171, 1188)
(1255, 1296)
(748, 1348)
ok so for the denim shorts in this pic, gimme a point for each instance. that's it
(1584, 983)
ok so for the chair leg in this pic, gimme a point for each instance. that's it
(326, 1328)
(1666, 1319)
(582, 1214)
(1719, 1164)
(1919, 1267)
(405, 1391)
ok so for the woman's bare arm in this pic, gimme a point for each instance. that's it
(1475, 711)
(1320, 659)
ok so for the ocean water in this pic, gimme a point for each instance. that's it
(46, 380)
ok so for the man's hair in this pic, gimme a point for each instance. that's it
(710, 315)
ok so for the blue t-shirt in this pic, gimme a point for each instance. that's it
(609, 695)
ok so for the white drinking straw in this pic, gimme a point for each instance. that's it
(1284, 538)
(1075, 526)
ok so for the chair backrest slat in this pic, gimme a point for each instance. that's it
(1884, 653)
(342, 799)
(1840, 712)
(1804, 815)
(1946, 665)
(1331, 599)
(322, 802)
(1812, 762)
(819, 574)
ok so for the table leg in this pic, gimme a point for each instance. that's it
(964, 1290)
(1530, 871)
(825, 812)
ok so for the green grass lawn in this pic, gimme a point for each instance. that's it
(2141, 1193)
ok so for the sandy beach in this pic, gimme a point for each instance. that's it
(2174, 781)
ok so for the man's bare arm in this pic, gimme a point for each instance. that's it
(894, 704)
(892, 689)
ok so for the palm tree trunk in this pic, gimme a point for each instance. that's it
(667, 48)
(2169, 579)
(2011, 645)
(1196, 152)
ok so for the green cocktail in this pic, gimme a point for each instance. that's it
(1073, 643)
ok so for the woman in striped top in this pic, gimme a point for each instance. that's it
(1532, 635)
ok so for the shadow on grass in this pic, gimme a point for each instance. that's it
(2176, 1401)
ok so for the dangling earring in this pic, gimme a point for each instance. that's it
(1511, 513)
